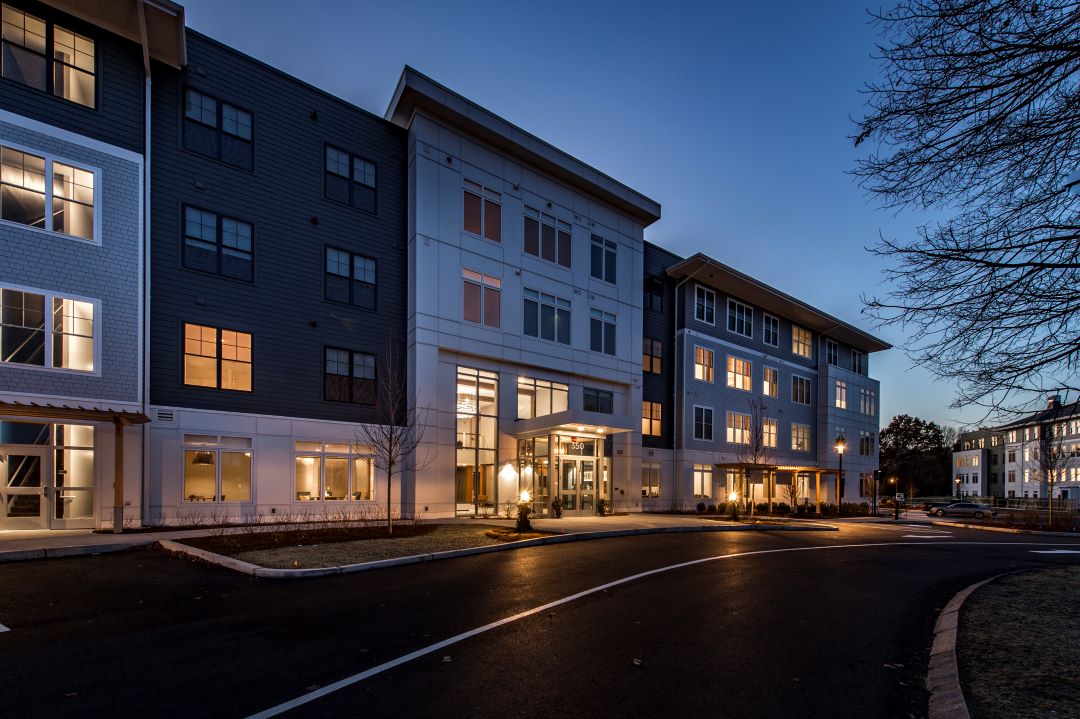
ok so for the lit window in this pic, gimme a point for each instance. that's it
(650, 479)
(740, 318)
(218, 130)
(703, 364)
(27, 338)
(703, 480)
(768, 432)
(25, 59)
(602, 264)
(217, 358)
(704, 305)
(653, 296)
(547, 237)
(333, 472)
(601, 331)
(349, 376)
(703, 423)
(482, 211)
(800, 390)
(350, 179)
(539, 398)
(800, 437)
(771, 330)
(64, 205)
(24, 56)
(738, 373)
(546, 316)
(801, 342)
(770, 383)
(650, 418)
(482, 298)
(841, 394)
(350, 278)
(651, 352)
(738, 428)
(217, 468)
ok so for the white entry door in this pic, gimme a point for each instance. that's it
(24, 488)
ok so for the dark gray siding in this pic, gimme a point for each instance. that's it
(118, 118)
(283, 308)
(661, 326)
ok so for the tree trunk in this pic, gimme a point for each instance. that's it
(389, 513)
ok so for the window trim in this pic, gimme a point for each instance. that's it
(217, 448)
(218, 358)
(809, 342)
(50, 158)
(708, 292)
(775, 385)
(750, 322)
(712, 423)
(735, 424)
(832, 351)
(349, 456)
(353, 157)
(711, 367)
(809, 390)
(732, 376)
(655, 418)
(765, 317)
(49, 296)
(809, 437)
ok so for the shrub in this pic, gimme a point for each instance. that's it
(556, 508)
(711, 509)
(523, 522)
(701, 508)
(601, 507)
(761, 508)
(782, 508)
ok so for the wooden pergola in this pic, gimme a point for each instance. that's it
(119, 418)
(794, 469)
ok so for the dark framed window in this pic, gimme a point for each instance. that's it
(350, 179)
(770, 330)
(598, 400)
(740, 318)
(602, 259)
(547, 237)
(219, 244)
(482, 298)
(350, 278)
(48, 57)
(546, 316)
(651, 355)
(217, 358)
(349, 376)
(601, 332)
(653, 296)
(481, 211)
(219, 130)
(703, 423)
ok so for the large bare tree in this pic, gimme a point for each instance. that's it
(757, 451)
(978, 115)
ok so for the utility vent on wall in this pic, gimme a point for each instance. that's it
(166, 416)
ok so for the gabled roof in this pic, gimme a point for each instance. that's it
(158, 25)
(1051, 414)
(744, 287)
(416, 91)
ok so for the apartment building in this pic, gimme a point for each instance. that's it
(979, 464)
(72, 281)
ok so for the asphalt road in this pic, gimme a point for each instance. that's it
(835, 625)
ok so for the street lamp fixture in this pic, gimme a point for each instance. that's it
(957, 480)
(896, 500)
(841, 447)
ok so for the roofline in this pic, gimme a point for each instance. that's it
(770, 299)
(416, 91)
(157, 25)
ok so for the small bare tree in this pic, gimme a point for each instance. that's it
(791, 491)
(397, 428)
(1055, 458)
(758, 448)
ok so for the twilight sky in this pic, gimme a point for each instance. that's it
(734, 116)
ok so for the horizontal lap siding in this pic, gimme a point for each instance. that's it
(661, 326)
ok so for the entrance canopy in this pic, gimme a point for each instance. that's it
(794, 468)
(55, 411)
(572, 422)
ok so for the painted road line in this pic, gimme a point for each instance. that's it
(432, 648)
(3, 629)
(925, 536)
(1055, 551)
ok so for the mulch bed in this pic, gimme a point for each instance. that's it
(245, 542)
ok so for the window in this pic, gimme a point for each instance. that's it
(333, 472)
(858, 362)
(349, 377)
(800, 437)
(482, 298)
(598, 400)
(477, 438)
(602, 264)
(29, 337)
(217, 358)
(651, 353)
(738, 428)
(740, 318)
(654, 296)
(217, 244)
(25, 59)
(704, 305)
(770, 384)
(350, 179)
(703, 364)
(217, 468)
(217, 129)
(801, 342)
(703, 420)
(1012, 455)
(768, 432)
(770, 330)
(800, 390)
(868, 401)
(832, 352)
(703, 479)
(65, 204)
(650, 418)
(841, 394)
(482, 211)
(539, 398)
(547, 237)
(350, 278)
(738, 373)
(650, 479)
(601, 332)
(866, 443)
(546, 316)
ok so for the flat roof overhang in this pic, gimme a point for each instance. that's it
(156, 25)
(591, 424)
(55, 411)
(771, 300)
(416, 91)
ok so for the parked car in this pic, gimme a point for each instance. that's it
(963, 509)
(928, 506)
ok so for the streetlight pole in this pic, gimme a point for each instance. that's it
(957, 480)
(841, 445)
(896, 502)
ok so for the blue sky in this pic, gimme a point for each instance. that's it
(734, 116)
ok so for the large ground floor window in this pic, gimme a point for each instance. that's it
(477, 439)
(333, 471)
(217, 468)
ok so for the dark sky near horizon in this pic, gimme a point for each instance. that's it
(734, 116)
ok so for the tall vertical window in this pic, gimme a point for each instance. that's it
(482, 297)
(218, 244)
(858, 362)
(866, 443)
(740, 318)
(546, 316)
(832, 352)
(217, 129)
(800, 437)
(349, 376)
(738, 428)
(801, 342)
(841, 394)
(598, 400)
(651, 356)
(25, 59)
(770, 383)
(868, 401)
(768, 432)
(650, 479)
(350, 179)
(703, 423)
(482, 211)
(65, 204)
(350, 278)
(539, 398)
(217, 358)
(800, 390)
(739, 373)
(770, 330)
(703, 480)
(333, 471)
(704, 305)
(477, 400)
(653, 296)
(29, 336)
(602, 259)
(217, 468)
(547, 237)
(601, 331)
(650, 418)
(703, 364)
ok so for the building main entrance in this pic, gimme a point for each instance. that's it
(570, 469)
(46, 476)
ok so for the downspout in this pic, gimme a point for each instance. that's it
(144, 339)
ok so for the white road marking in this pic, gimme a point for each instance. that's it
(3, 629)
(925, 536)
(430, 649)
(1055, 551)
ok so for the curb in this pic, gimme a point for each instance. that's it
(1006, 530)
(270, 573)
(19, 555)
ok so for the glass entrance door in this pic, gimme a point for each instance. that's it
(577, 485)
(24, 487)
